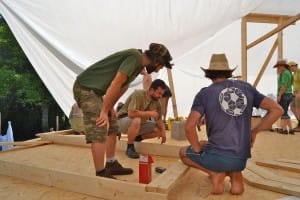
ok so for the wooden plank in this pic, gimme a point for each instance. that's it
(263, 68)
(141, 147)
(171, 84)
(90, 185)
(279, 165)
(275, 30)
(244, 48)
(289, 161)
(267, 174)
(62, 132)
(77, 140)
(265, 18)
(165, 182)
(26, 143)
(257, 181)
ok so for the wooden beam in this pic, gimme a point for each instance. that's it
(165, 182)
(265, 18)
(171, 84)
(267, 174)
(274, 31)
(280, 165)
(244, 49)
(263, 68)
(62, 132)
(280, 40)
(90, 185)
(34, 143)
(141, 147)
(257, 181)
(289, 161)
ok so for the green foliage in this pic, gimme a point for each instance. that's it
(22, 93)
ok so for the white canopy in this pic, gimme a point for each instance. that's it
(62, 38)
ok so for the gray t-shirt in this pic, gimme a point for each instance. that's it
(227, 107)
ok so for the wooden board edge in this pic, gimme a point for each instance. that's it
(141, 147)
(89, 185)
(279, 165)
(267, 174)
(257, 181)
(165, 182)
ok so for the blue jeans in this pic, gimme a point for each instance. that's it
(285, 101)
(216, 162)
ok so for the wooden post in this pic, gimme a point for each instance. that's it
(280, 40)
(57, 123)
(275, 30)
(170, 78)
(244, 48)
(263, 68)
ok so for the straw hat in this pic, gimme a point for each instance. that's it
(218, 62)
(292, 63)
(281, 62)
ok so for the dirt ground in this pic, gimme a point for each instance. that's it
(194, 185)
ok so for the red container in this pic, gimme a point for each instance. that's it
(145, 174)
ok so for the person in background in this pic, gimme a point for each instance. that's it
(98, 88)
(76, 119)
(147, 80)
(140, 116)
(227, 105)
(284, 94)
(295, 105)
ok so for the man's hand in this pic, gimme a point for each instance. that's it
(154, 114)
(163, 138)
(103, 120)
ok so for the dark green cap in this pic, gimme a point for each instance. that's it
(163, 52)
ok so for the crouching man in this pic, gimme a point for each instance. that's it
(227, 106)
(140, 117)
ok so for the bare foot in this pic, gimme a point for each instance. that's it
(237, 183)
(218, 182)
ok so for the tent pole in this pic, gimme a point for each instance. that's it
(244, 49)
(263, 68)
(170, 78)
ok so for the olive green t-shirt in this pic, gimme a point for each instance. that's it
(285, 78)
(138, 101)
(296, 82)
(100, 75)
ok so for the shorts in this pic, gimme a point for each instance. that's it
(146, 128)
(91, 104)
(285, 101)
(216, 162)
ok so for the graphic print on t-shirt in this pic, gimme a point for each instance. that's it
(233, 101)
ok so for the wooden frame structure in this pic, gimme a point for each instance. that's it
(262, 178)
(158, 189)
(282, 22)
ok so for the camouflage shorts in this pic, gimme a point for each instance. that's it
(91, 104)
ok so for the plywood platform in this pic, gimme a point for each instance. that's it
(76, 161)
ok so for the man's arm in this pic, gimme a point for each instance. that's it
(281, 92)
(143, 114)
(162, 131)
(274, 111)
(190, 129)
(113, 93)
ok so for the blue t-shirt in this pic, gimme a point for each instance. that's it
(227, 107)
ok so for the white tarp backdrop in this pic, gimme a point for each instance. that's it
(62, 38)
